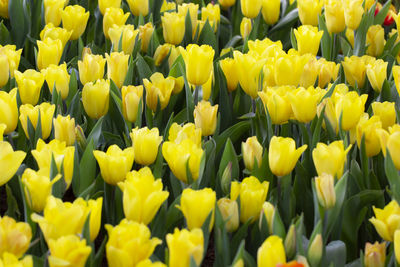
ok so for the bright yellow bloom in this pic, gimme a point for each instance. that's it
(4, 69)
(74, 18)
(251, 8)
(131, 97)
(387, 220)
(91, 68)
(271, 252)
(205, 117)
(245, 29)
(53, 10)
(54, 33)
(29, 85)
(173, 25)
(276, 101)
(9, 259)
(230, 213)
(163, 51)
(104, 4)
(115, 163)
(330, 158)
(249, 72)
(228, 66)
(350, 37)
(15, 236)
(63, 156)
(145, 33)
(129, 243)
(9, 110)
(304, 103)
(252, 152)
(396, 243)
(64, 129)
(375, 40)
(68, 251)
(13, 56)
(94, 208)
(368, 127)
(184, 245)
(252, 195)
(139, 7)
(95, 98)
(308, 39)
(57, 77)
(396, 77)
(117, 67)
(283, 155)
(334, 16)
(325, 187)
(270, 11)
(149, 263)
(353, 12)
(328, 71)
(178, 156)
(179, 133)
(375, 254)
(350, 107)
(376, 74)
(2, 128)
(113, 16)
(192, 9)
(37, 187)
(145, 143)
(386, 112)
(158, 90)
(289, 69)
(129, 35)
(226, 3)
(179, 84)
(168, 6)
(212, 13)
(391, 141)
(309, 10)
(32, 112)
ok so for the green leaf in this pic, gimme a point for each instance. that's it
(286, 21)
(143, 68)
(96, 132)
(18, 21)
(392, 175)
(129, 75)
(380, 17)
(238, 238)
(233, 133)
(335, 253)
(229, 156)
(326, 41)
(5, 37)
(360, 34)
(207, 36)
(87, 167)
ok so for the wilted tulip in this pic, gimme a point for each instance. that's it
(74, 18)
(95, 98)
(145, 143)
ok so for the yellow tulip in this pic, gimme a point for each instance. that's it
(325, 187)
(308, 39)
(31, 112)
(13, 57)
(179, 84)
(9, 110)
(350, 107)
(74, 18)
(139, 7)
(226, 3)
(251, 8)
(192, 9)
(212, 13)
(252, 152)
(54, 33)
(158, 90)
(168, 6)
(173, 25)
(145, 33)
(396, 243)
(53, 10)
(353, 12)
(283, 155)
(228, 66)
(368, 127)
(387, 220)
(249, 72)
(205, 117)
(4, 9)
(104, 4)
(68, 251)
(315, 250)
(230, 213)
(184, 245)
(4, 69)
(113, 16)
(57, 77)
(289, 69)
(376, 74)
(268, 210)
(252, 195)
(396, 77)
(145, 143)
(129, 35)
(9, 259)
(271, 252)
(390, 141)
(350, 37)
(328, 71)
(117, 67)
(309, 10)
(197, 205)
(270, 11)
(63, 156)
(29, 85)
(245, 28)
(199, 63)
(276, 101)
(64, 129)
(334, 16)
(15, 236)
(94, 207)
(375, 254)
(163, 51)
(375, 40)
(178, 156)
(2, 128)
(179, 133)
(330, 159)
(149, 263)
(49, 52)
(129, 243)
(37, 187)
(131, 97)
(386, 112)
(91, 68)
(95, 98)
(304, 103)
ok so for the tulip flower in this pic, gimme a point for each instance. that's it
(184, 245)
(375, 254)
(205, 117)
(15, 236)
(245, 29)
(139, 7)
(74, 18)
(145, 143)
(9, 259)
(353, 12)
(145, 33)
(252, 152)
(173, 25)
(390, 141)
(91, 68)
(113, 16)
(396, 77)
(13, 57)
(94, 208)
(289, 69)
(368, 128)
(57, 77)
(168, 6)
(304, 103)
(387, 220)
(95, 98)
(308, 39)
(131, 97)
(68, 251)
(386, 112)
(350, 107)
(54, 33)
(375, 40)
(46, 117)
(129, 243)
(325, 187)
(163, 51)
(29, 85)
(9, 110)
(271, 253)
(230, 213)
(117, 67)
(309, 10)
(64, 129)
(334, 16)
(228, 66)
(192, 9)
(158, 90)
(376, 74)
(212, 13)
(315, 250)
(252, 195)
(397, 245)
(179, 133)
(199, 63)
(277, 103)
(129, 35)
(270, 11)
(283, 155)
(226, 3)
(268, 211)
(104, 4)
(328, 71)
(53, 10)
(2, 128)
(251, 8)
(179, 84)
(4, 69)
(249, 72)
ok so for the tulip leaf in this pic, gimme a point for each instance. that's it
(326, 40)
(19, 21)
(4, 34)
(207, 36)
(221, 240)
(187, 39)
(98, 259)
(317, 130)
(233, 133)
(87, 167)
(392, 175)
(286, 21)
(173, 214)
(380, 17)
(239, 237)
(143, 68)
(335, 253)
(60, 186)
(208, 171)
(360, 34)
(129, 75)
(115, 113)
(293, 39)
(96, 132)
(278, 228)
(229, 156)
(239, 252)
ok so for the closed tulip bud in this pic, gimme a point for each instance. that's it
(117, 67)
(212, 13)
(62, 154)
(53, 10)
(145, 33)
(330, 159)
(271, 11)
(95, 98)
(251, 8)
(193, 10)
(94, 208)
(375, 40)
(249, 72)
(268, 211)
(197, 206)
(199, 63)
(283, 155)
(91, 68)
(245, 28)
(115, 163)
(179, 84)
(252, 152)
(325, 187)
(304, 103)
(163, 51)
(252, 195)
(178, 156)
(179, 133)
(328, 71)
(334, 16)
(386, 220)
(205, 117)
(10, 161)
(128, 33)
(113, 16)
(54, 33)
(57, 77)
(37, 187)
(15, 236)
(308, 39)
(290, 241)
(31, 112)
(376, 74)
(142, 195)
(315, 250)
(104, 4)
(173, 25)
(289, 69)
(68, 251)
(386, 112)
(226, 3)
(375, 254)
(80, 136)
(309, 10)
(139, 7)
(350, 37)
(350, 107)
(64, 129)
(230, 70)
(230, 213)
(9, 110)
(74, 18)
(271, 253)
(367, 128)
(158, 91)
(353, 12)
(145, 143)
(13, 57)
(277, 103)
(131, 97)
(29, 85)
(9, 259)
(129, 243)
(49, 52)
